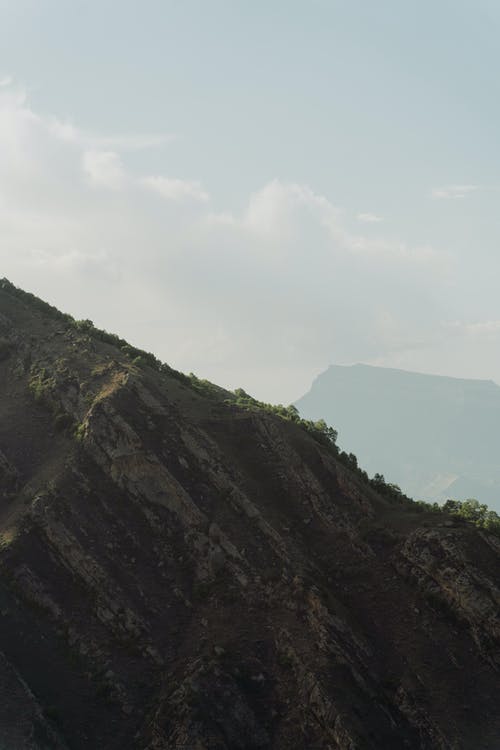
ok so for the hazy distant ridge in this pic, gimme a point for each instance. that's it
(436, 436)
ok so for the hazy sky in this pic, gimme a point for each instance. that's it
(254, 190)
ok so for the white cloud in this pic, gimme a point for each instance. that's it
(174, 189)
(224, 218)
(453, 191)
(279, 210)
(481, 328)
(262, 298)
(66, 131)
(5, 81)
(133, 141)
(368, 218)
(104, 169)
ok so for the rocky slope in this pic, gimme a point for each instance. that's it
(178, 572)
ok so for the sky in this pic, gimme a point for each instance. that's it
(256, 190)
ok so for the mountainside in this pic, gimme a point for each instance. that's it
(176, 571)
(437, 437)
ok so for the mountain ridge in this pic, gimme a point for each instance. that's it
(400, 370)
(448, 425)
(177, 570)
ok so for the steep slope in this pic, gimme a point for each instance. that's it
(178, 572)
(450, 442)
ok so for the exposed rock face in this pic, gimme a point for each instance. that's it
(175, 572)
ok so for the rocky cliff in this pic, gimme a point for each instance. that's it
(178, 572)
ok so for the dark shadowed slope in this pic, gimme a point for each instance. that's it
(437, 437)
(176, 571)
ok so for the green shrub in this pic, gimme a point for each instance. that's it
(475, 512)
(41, 385)
(319, 430)
(79, 432)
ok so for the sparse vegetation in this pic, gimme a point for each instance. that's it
(42, 383)
(34, 302)
(139, 357)
(79, 432)
(475, 512)
(206, 388)
(319, 429)
(142, 358)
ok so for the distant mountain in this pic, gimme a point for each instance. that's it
(181, 567)
(437, 437)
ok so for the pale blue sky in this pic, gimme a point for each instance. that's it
(387, 112)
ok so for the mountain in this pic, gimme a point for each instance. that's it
(437, 437)
(179, 571)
